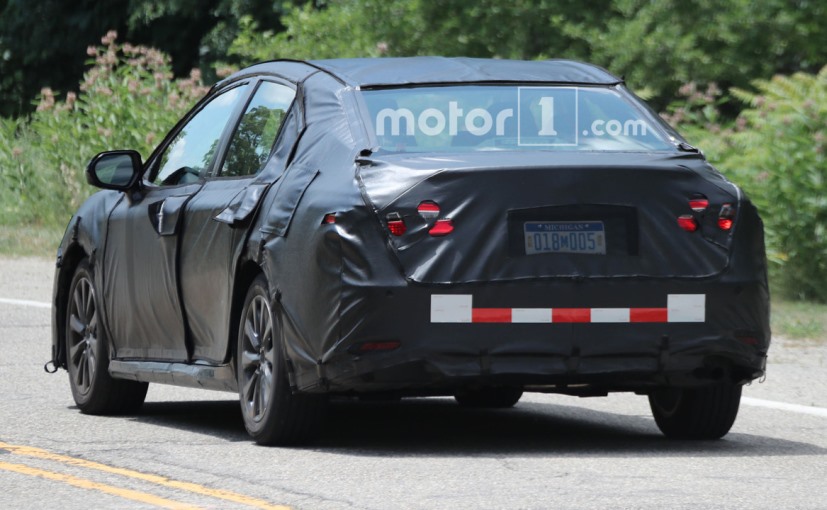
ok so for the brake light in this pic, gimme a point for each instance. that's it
(698, 203)
(396, 224)
(726, 217)
(688, 223)
(397, 227)
(442, 228)
(428, 210)
(329, 219)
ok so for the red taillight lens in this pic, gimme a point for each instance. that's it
(329, 219)
(396, 224)
(442, 228)
(428, 210)
(688, 223)
(724, 223)
(726, 217)
(397, 227)
(698, 203)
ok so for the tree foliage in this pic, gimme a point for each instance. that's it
(658, 45)
(42, 42)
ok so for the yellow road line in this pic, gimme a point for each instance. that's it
(83, 483)
(241, 499)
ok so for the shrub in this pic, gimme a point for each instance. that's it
(127, 99)
(776, 150)
(780, 155)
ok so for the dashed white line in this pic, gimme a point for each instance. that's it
(25, 302)
(784, 406)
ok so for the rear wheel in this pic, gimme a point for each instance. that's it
(272, 414)
(493, 397)
(696, 413)
(87, 354)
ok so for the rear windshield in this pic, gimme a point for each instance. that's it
(510, 117)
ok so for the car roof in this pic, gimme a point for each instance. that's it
(367, 72)
(388, 72)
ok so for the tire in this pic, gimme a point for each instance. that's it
(272, 413)
(490, 398)
(87, 354)
(696, 413)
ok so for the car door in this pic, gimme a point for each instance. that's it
(216, 220)
(141, 286)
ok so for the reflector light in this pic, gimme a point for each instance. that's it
(428, 210)
(384, 345)
(698, 204)
(726, 216)
(329, 219)
(688, 223)
(441, 228)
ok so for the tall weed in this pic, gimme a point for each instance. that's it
(127, 99)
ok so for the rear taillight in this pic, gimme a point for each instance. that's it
(726, 217)
(698, 203)
(329, 219)
(688, 223)
(396, 224)
(442, 228)
(428, 210)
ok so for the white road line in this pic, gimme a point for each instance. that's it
(25, 302)
(783, 406)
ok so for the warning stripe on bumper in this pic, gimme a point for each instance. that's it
(458, 308)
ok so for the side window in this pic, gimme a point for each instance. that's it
(255, 136)
(191, 151)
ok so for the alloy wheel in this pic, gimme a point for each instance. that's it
(258, 358)
(83, 335)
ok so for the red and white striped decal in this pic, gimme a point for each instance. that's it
(458, 308)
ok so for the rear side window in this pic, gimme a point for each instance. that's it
(256, 133)
(529, 117)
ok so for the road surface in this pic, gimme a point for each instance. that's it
(188, 448)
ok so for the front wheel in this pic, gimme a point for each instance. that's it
(87, 354)
(272, 414)
(696, 413)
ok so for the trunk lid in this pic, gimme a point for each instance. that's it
(556, 215)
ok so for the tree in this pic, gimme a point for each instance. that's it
(657, 44)
(43, 42)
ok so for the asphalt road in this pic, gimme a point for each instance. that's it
(188, 448)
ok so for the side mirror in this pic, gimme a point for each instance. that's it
(118, 170)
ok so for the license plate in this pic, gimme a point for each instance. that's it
(564, 237)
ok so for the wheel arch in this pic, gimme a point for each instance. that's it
(67, 266)
(245, 273)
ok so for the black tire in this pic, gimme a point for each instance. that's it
(273, 414)
(490, 398)
(87, 354)
(696, 413)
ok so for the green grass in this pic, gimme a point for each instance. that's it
(29, 241)
(799, 319)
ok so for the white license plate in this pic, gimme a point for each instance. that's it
(564, 237)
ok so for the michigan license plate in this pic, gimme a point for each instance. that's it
(587, 237)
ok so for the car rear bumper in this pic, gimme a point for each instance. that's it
(613, 335)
